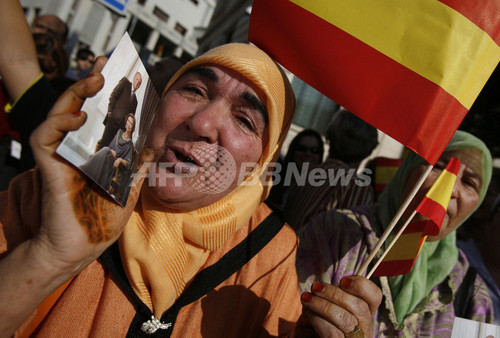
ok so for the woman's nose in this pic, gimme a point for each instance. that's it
(454, 192)
(205, 123)
(458, 184)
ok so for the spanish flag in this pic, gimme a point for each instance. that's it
(410, 68)
(385, 168)
(401, 257)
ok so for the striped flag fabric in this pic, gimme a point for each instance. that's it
(385, 168)
(410, 68)
(401, 257)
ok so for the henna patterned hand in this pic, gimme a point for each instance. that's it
(79, 220)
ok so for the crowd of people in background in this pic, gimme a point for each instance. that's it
(176, 258)
(304, 153)
(35, 72)
(84, 61)
(350, 140)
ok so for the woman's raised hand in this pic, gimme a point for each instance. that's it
(79, 220)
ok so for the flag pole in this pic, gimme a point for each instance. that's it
(395, 220)
(391, 244)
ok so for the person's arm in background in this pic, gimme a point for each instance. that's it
(30, 93)
(19, 66)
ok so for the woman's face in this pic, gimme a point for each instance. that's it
(85, 63)
(130, 124)
(307, 150)
(465, 195)
(211, 120)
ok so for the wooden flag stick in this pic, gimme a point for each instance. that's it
(395, 219)
(391, 244)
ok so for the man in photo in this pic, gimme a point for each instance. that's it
(122, 102)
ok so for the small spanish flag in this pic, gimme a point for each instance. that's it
(412, 69)
(385, 168)
(401, 257)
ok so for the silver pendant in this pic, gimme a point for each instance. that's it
(153, 325)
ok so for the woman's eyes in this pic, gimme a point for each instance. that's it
(472, 183)
(194, 90)
(245, 122)
(241, 115)
(440, 165)
(467, 181)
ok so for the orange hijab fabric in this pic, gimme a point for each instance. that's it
(162, 250)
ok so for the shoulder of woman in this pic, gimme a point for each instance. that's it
(350, 220)
(463, 272)
(337, 228)
(285, 237)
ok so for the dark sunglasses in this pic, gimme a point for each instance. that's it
(314, 150)
(87, 59)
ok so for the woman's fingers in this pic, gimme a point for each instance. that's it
(325, 305)
(45, 139)
(72, 99)
(342, 308)
(64, 116)
(67, 110)
(322, 327)
(99, 64)
(364, 289)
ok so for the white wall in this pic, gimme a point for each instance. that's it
(94, 21)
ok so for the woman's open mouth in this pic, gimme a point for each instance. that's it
(184, 158)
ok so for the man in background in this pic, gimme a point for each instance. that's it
(350, 140)
(51, 24)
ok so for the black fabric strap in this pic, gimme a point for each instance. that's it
(464, 294)
(204, 282)
(111, 259)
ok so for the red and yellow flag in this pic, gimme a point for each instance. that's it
(385, 168)
(410, 68)
(401, 257)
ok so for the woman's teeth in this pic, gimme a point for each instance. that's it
(184, 158)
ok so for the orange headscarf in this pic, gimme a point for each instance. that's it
(162, 249)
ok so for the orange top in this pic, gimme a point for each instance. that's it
(260, 299)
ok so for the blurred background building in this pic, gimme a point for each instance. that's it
(157, 27)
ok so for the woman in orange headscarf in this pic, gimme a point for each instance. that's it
(195, 252)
